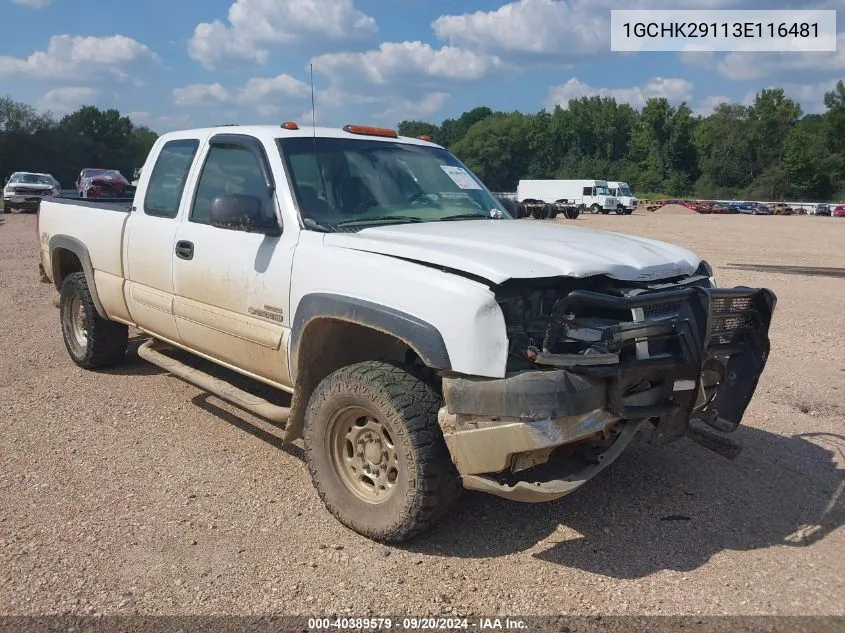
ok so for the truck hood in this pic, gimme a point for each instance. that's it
(498, 250)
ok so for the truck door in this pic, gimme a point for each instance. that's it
(232, 286)
(150, 233)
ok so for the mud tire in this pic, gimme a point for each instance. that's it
(426, 485)
(104, 342)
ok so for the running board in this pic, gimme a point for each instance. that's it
(220, 388)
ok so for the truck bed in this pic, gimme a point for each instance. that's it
(96, 226)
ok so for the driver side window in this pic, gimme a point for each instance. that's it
(230, 168)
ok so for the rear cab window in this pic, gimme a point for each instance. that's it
(168, 177)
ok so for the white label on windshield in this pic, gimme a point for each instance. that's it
(460, 177)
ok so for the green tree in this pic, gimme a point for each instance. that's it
(810, 167)
(415, 129)
(496, 149)
(725, 152)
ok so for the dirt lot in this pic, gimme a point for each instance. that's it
(129, 491)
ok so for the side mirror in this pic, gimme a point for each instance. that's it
(241, 212)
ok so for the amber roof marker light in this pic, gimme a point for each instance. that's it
(425, 137)
(370, 131)
(290, 125)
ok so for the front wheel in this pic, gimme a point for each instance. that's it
(92, 341)
(375, 451)
(595, 209)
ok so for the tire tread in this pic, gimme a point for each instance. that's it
(436, 486)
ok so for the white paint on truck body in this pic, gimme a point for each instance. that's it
(236, 300)
(587, 192)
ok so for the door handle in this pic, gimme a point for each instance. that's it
(184, 250)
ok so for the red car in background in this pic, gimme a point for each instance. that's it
(103, 183)
(838, 211)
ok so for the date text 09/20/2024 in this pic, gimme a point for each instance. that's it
(416, 624)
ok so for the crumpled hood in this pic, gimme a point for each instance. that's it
(498, 250)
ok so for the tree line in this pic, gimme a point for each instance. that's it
(769, 150)
(89, 137)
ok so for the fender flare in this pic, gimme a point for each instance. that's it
(79, 249)
(421, 336)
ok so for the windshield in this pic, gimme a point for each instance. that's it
(602, 190)
(31, 179)
(625, 191)
(349, 181)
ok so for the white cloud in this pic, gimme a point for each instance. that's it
(531, 26)
(35, 4)
(254, 91)
(80, 56)
(164, 124)
(707, 105)
(561, 31)
(256, 25)
(66, 99)
(401, 109)
(403, 61)
(675, 90)
(744, 66)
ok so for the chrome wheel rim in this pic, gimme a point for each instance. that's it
(364, 454)
(78, 321)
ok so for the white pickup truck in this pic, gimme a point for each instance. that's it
(430, 343)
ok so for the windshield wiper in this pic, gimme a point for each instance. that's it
(386, 218)
(315, 226)
(465, 216)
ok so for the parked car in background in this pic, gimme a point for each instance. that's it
(755, 209)
(25, 189)
(822, 209)
(783, 209)
(103, 183)
(838, 211)
(692, 205)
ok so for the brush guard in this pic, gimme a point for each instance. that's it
(720, 334)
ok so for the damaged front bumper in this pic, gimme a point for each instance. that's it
(685, 355)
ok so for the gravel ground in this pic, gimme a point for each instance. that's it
(128, 491)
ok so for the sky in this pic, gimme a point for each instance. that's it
(175, 64)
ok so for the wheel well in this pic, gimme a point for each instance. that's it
(65, 262)
(327, 345)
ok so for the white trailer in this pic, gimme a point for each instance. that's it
(594, 194)
(627, 202)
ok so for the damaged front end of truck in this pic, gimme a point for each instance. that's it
(596, 363)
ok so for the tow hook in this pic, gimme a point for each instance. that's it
(714, 441)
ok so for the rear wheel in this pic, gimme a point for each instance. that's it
(92, 341)
(620, 210)
(551, 211)
(539, 212)
(375, 451)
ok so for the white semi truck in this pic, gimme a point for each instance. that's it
(593, 194)
(626, 201)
